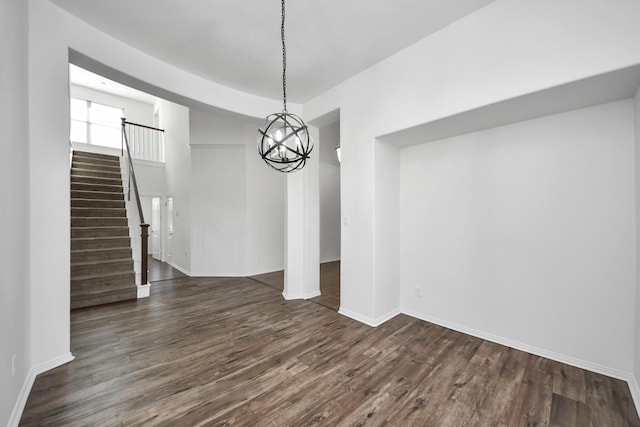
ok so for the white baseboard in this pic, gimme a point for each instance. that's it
(629, 378)
(634, 388)
(374, 322)
(144, 290)
(180, 269)
(578, 363)
(18, 408)
(291, 296)
(312, 294)
(324, 261)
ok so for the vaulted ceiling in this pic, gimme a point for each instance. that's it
(237, 43)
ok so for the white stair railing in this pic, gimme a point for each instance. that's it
(145, 142)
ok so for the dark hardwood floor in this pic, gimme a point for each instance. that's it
(329, 284)
(231, 351)
(159, 271)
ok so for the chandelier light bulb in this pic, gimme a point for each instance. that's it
(283, 141)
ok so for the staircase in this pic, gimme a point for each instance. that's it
(101, 262)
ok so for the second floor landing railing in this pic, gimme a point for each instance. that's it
(145, 142)
(144, 227)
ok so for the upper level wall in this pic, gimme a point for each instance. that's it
(506, 49)
(134, 111)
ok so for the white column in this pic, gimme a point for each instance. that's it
(302, 228)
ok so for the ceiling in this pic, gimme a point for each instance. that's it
(237, 43)
(82, 77)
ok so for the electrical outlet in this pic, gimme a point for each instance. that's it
(13, 366)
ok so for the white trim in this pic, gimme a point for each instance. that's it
(219, 146)
(18, 408)
(324, 261)
(180, 269)
(369, 320)
(312, 294)
(216, 274)
(144, 290)
(578, 363)
(290, 296)
(629, 378)
(634, 388)
(145, 162)
(264, 271)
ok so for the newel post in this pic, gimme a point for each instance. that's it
(144, 258)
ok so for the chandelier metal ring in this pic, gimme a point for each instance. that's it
(283, 141)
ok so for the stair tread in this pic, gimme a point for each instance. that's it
(100, 238)
(95, 191)
(94, 208)
(99, 226)
(117, 188)
(110, 274)
(102, 262)
(75, 172)
(99, 250)
(96, 200)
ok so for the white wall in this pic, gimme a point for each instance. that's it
(265, 203)
(218, 200)
(329, 192)
(174, 119)
(48, 188)
(15, 332)
(636, 371)
(134, 111)
(238, 201)
(499, 52)
(526, 233)
(151, 178)
(387, 229)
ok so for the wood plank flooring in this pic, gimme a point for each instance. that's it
(329, 284)
(231, 351)
(159, 271)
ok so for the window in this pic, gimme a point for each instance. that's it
(94, 123)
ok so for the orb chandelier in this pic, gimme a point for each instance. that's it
(284, 142)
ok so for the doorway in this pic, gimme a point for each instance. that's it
(330, 216)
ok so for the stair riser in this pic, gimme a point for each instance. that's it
(112, 267)
(96, 195)
(83, 179)
(118, 242)
(95, 155)
(101, 255)
(92, 299)
(92, 212)
(97, 214)
(114, 161)
(94, 173)
(80, 186)
(99, 222)
(93, 203)
(79, 233)
(97, 167)
(99, 284)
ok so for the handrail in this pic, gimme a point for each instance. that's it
(144, 228)
(143, 126)
(145, 142)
